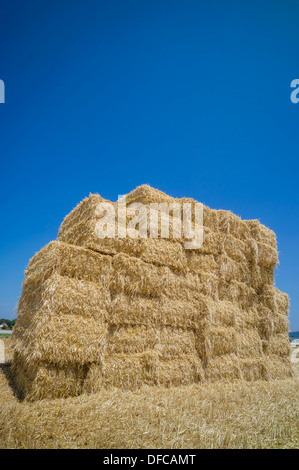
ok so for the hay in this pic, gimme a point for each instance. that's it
(97, 313)
(70, 261)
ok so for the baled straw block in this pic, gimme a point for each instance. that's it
(280, 324)
(252, 369)
(278, 345)
(198, 262)
(212, 243)
(70, 261)
(146, 195)
(175, 343)
(129, 371)
(131, 339)
(265, 322)
(63, 295)
(229, 269)
(267, 255)
(223, 313)
(189, 287)
(133, 371)
(261, 233)
(220, 341)
(136, 277)
(83, 212)
(223, 368)
(155, 312)
(231, 224)
(56, 382)
(261, 276)
(274, 300)
(249, 344)
(85, 234)
(40, 381)
(282, 302)
(247, 319)
(161, 252)
(237, 292)
(168, 342)
(164, 253)
(183, 370)
(277, 368)
(63, 339)
(93, 381)
(236, 249)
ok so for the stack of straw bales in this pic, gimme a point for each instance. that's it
(124, 312)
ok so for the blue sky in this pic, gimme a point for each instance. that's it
(190, 97)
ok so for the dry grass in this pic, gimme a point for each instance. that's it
(217, 415)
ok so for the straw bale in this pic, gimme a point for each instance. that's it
(146, 195)
(160, 252)
(261, 233)
(85, 234)
(212, 243)
(179, 371)
(129, 371)
(210, 219)
(221, 341)
(62, 339)
(280, 324)
(175, 343)
(252, 251)
(278, 345)
(229, 269)
(282, 301)
(224, 368)
(198, 262)
(131, 339)
(134, 370)
(189, 287)
(136, 277)
(261, 276)
(231, 224)
(277, 368)
(265, 322)
(267, 298)
(237, 292)
(249, 344)
(36, 381)
(56, 382)
(168, 342)
(63, 295)
(251, 369)
(234, 248)
(247, 318)
(223, 313)
(164, 253)
(83, 212)
(71, 261)
(93, 381)
(152, 312)
(267, 255)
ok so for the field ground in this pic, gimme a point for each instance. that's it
(239, 415)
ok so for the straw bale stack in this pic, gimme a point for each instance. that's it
(125, 312)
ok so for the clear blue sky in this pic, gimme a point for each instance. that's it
(190, 97)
